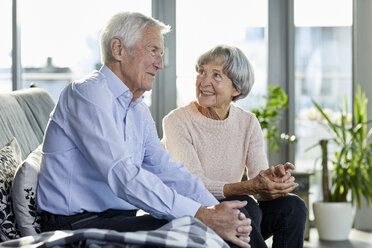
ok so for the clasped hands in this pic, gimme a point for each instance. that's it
(228, 222)
(274, 182)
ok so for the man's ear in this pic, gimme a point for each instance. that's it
(117, 48)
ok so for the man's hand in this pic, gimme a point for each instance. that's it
(228, 222)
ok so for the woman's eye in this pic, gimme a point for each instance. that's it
(201, 72)
(218, 76)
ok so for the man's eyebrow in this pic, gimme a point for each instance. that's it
(155, 47)
(152, 45)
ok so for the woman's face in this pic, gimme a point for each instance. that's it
(213, 88)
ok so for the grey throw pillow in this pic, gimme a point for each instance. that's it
(24, 194)
(10, 158)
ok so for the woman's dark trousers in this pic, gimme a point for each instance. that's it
(283, 218)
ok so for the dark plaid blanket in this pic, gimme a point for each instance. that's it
(182, 232)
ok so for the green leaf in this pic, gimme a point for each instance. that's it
(352, 160)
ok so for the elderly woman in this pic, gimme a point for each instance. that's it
(216, 140)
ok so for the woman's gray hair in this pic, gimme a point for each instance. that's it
(235, 65)
(128, 27)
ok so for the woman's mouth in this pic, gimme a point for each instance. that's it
(207, 93)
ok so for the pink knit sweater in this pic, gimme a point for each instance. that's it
(215, 150)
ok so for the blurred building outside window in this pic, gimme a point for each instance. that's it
(60, 39)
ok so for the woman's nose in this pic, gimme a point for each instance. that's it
(206, 81)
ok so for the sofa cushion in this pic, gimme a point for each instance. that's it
(10, 158)
(37, 105)
(14, 123)
(24, 115)
(24, 194)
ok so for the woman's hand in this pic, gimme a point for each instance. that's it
(269, 186)
(280, 173)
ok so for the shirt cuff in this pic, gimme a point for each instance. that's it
(183, 206)
(205, 198)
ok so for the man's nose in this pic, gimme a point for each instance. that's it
(159, 62)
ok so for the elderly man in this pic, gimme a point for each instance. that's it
(102, 159)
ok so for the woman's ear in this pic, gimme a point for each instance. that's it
(118, 50)
(235, 93)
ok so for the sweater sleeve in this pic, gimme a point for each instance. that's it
(178, 141)
(256, 157)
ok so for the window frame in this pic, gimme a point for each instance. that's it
(280, 49)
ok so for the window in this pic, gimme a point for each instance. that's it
(202, 25)
(60, 39)
(6, 46)
(323, 72)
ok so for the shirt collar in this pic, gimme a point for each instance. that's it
(116, 86)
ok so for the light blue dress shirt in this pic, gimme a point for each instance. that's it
(101, 151)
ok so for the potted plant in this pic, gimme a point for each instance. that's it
(363, 216)
(351, 173)
(268, 117)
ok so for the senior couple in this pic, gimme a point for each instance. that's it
(102, 156)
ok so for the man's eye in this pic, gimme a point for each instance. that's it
(153, 52)
(201, 72)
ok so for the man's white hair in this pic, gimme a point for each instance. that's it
(128, 27)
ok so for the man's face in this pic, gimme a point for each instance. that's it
(139, 68)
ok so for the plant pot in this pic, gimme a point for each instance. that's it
(333, 220)
(363, 216)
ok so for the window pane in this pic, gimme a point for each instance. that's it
(323, 72)
(323, 13)
(60, 39)
(6, 46)
(239, 23)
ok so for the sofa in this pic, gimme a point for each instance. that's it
(24, 115)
